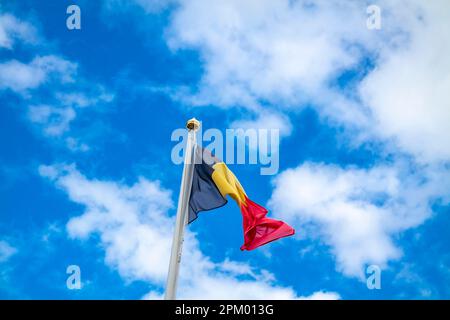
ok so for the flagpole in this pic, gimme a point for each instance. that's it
(182, 212)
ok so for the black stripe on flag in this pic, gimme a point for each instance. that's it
(204, 193)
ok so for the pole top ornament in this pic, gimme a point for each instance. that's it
(193, 124)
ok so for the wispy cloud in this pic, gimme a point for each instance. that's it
(12, 30)
(6, 251)
(266, 120)
(21, 77)
(55, 121)
(52, 88)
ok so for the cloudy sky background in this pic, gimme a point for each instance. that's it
(86, 117)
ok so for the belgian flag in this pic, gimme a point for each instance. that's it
(212, 181)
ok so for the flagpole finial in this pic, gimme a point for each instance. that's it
(193, 124)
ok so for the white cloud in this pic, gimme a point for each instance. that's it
(6, 251)
(419, 287)
(20, 77)
(266, 121)
(283, 52)
(76, 145)
(66, 92)
(357, 211)
(135, 230)
(12, 29)
(55, 121)
(83, 99)
(320, 295)
(130, 221)
(408, 90)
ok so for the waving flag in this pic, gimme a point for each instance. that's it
(212, 181)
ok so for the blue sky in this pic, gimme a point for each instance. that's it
(86, 176)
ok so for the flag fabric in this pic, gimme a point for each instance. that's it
(211, 183)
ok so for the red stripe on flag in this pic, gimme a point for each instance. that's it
(259, 230)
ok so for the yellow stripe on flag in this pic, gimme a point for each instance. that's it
(227, 183)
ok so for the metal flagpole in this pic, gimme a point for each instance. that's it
(182, 211)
